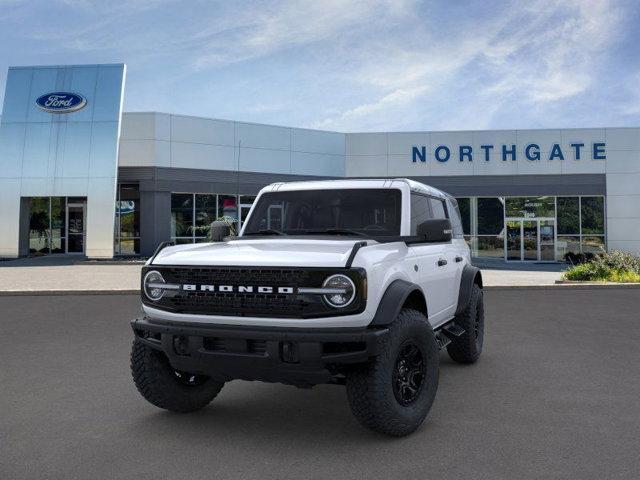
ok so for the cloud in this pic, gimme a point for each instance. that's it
(348, 65)
(535, 55)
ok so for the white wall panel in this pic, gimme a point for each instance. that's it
(366, 144)
(366, 166)
(623, 229)
(140, 153)
(402, 143)
(263, 136)
(401, 165)
(198, 155)
(623, 161)
(623, 139)
(264, 160)
(202, 130)
(313, 141)
(139, 126)
(303, 163)
(623, 206)
(623, 183)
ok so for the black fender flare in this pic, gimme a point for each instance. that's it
(470, 275)
(392, 301)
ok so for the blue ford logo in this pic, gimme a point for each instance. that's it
(61, 102)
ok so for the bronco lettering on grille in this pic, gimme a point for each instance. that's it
(192, 287)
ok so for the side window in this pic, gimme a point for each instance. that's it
(454, 215)
(420, 211)
(438, 208)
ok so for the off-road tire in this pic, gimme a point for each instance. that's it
(467, 347)
(370, 388)
(157, 382)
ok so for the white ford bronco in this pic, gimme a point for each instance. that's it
(350, 282)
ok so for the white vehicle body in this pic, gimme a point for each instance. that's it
(435, 267)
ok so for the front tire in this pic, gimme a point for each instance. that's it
(394, 393)
(467, 347)
(165, 387)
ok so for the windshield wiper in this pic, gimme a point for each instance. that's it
(336, 231)
(266, 231)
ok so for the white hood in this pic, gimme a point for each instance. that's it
(270, 252)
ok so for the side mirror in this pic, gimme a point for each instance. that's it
(219, 230)
(435, 230)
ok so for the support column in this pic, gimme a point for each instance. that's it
(155, 220)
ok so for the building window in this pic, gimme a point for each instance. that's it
(592, 215)
(581, 223)
(56, 225)
(490, 216)
(193, 213)
(127, 228)
(568, 216)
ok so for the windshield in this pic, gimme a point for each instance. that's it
(358, 212)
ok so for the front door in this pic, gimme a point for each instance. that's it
(530, 240)
(75, 227)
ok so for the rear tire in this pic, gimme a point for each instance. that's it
(467, 347)
(163, 386)
(394, 393)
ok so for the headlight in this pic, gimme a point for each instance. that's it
(343, 291)
(153, 285)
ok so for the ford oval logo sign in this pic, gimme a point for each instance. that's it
(61, 102)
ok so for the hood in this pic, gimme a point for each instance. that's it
(271, 252)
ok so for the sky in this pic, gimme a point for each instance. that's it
(350, 65)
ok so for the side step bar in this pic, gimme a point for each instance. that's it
(447, 333)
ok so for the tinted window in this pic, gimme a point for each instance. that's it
(454, 215)
(490, 216)
(438, 208)
(420, 211)
(592, 215)
(464, 208)
(374, 212)
(568, 216)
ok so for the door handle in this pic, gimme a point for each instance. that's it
(458, 259)
(442, 262)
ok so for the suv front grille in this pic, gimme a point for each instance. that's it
(289, 305)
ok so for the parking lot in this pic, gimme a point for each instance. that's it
(555, 395)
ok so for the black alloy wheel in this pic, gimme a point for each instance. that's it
(408, 373)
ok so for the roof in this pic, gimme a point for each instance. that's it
(353, 183)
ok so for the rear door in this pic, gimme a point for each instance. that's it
(448, 263)
(426, 258)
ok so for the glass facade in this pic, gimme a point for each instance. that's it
(127, 227)
(57, 225)
(192, 214)
(541, 228)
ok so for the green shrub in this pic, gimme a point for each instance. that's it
(615, 266)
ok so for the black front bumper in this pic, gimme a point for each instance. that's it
(300, 357)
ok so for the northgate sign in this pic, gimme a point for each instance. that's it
(531, 152)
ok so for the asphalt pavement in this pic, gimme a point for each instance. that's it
(555, 395)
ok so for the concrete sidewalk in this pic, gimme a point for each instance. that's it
(70, 274)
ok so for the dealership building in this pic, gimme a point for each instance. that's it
(80, 176)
